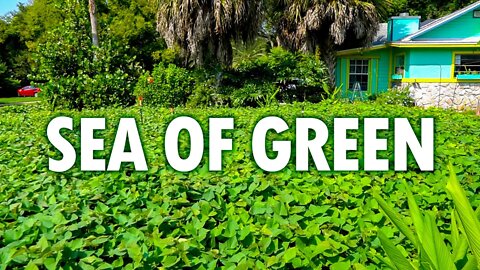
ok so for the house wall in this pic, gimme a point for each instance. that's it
(424, 63)
(430, 77)
(462, 95)
(464, 27)
(378, 71)
(428, 74)
(434, 65)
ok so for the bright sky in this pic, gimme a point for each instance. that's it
(9, 5)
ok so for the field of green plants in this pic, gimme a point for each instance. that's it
(240, 218)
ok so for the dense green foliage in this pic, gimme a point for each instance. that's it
(240, 218)
(75, 74)
(166, 86)
(433, 253)
(395, 97)
(277, 75)
(128, 23)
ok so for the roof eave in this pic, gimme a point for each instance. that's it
(362, 50)
(435, 44)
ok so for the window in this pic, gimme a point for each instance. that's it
(358, 78)
(400, 65)
(467, 64)
(476, 13)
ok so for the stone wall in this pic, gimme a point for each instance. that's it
(458, 96)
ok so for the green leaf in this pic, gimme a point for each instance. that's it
(467, 216)
(289, 254)
(50, 263)
(471, 264)
(341, 266)
(394, 254)
(415, 213)
(434, 245)
(396, 219)
(170, 261)
(134, 251)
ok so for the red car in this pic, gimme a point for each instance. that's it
(28, 91)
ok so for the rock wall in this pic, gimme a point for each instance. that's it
(458, 96)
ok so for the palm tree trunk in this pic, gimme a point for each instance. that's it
(329, 57)
(93, 22)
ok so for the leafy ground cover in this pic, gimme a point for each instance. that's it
(239, 218)
(14, 100)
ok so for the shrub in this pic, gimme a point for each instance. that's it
(395, 97)
(75, 74)
(300, 76)
(277, 76)
(7, 84)
(165, 86)
(254, 95)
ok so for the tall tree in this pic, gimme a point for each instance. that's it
(324, 26)
(204, 29)
(93, 21)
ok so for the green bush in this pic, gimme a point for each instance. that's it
(400, 97)
(254, 95)
(75, 74)
(276, 76)
(8, 86)
(299, 76)
(166, 86)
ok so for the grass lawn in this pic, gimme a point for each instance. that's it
(13, 100)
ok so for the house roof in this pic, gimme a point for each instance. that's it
(381, 38)
(436, 23)
(382, 33)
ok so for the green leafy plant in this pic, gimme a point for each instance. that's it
(395, 97)
(74, 74)
(331, 94)
(433, 252)
(167, 86)
(240, 217)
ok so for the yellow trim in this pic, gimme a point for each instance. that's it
(377, 73)
(395, 62)
(347, 79)
(360, 57)
(369, 86)
(437, 80)
(435, 45)
(341, 72)
(390, 64)
(407, 45)
(454, 55)
(361, 50)
(452, 67)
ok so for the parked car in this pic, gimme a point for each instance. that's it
(28, 91)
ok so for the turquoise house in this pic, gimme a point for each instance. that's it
(438, 60)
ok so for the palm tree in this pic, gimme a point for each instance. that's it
(324, 26)
(203, 30)
(93, 21)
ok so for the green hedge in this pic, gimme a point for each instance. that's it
(240, 218)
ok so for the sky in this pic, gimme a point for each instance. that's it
(9, 5)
